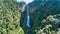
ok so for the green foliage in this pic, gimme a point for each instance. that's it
(50, 25)
(41, 11)
(10, 17)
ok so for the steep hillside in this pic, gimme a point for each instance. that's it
(39, 10)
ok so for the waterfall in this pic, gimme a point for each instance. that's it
(28, 17)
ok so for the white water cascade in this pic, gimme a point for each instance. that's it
(28, 17)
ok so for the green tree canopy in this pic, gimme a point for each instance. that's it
(50, 25)
(10, 13)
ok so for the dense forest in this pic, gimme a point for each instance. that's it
(10, 13)
(44, 17)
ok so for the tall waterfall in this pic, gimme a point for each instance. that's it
(28, 17)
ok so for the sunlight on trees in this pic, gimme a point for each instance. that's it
(10, 17)
(50, 25)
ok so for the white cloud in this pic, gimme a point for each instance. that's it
(27, 1)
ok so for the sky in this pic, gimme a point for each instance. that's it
(27, 1)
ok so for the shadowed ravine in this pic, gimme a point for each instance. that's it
(26, 17)
(28, 21)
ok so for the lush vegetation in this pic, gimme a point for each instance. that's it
(50, 25)
(44, 17)
(41, 11)
(44, 10)
(10, 13)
